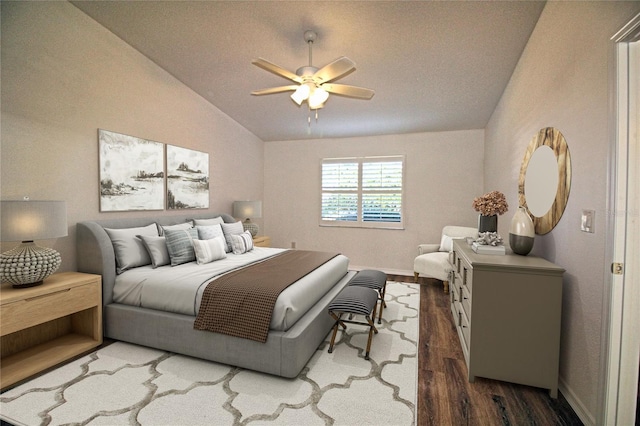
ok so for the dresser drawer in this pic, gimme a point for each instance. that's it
(39, 309)
(454, 278)
(466, 275)
(465, 300)
(455, 291)
(465, 326)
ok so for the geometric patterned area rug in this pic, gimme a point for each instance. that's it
(125, 384)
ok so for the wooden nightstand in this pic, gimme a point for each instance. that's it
(262, 241)
(45, 325)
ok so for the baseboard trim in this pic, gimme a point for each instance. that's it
(580, 409)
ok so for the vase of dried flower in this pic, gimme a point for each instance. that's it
(488, 223)
(521, 232)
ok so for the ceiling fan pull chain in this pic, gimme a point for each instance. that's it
(316, 116)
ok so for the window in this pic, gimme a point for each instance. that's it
(362, 192)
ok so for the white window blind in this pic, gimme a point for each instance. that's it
(366, 192)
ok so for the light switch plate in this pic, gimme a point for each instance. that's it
(587, 223)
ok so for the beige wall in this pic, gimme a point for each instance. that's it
(562, 81)
(63, 77)
(443, 175)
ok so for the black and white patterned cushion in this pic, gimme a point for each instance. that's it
(369, 278)
(354, 300)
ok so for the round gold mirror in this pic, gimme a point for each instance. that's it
(545, 179)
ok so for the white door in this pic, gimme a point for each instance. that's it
(623, 346)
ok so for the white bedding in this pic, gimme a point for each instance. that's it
(179, 288)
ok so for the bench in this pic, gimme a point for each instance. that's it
(376, 280)
(354, 300)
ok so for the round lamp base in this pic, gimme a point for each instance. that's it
(28, 264)
(37, 283)
(251, 227)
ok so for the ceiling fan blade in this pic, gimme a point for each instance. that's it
(275, 90)
(277, 70)
(349, 91)
(336, 69)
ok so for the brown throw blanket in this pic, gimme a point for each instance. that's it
(240, 303)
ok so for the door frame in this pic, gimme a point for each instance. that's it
(621, 302)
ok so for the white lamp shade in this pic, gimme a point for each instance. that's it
(301, 94)
(318, 98)
(32, 220)
(247, 209)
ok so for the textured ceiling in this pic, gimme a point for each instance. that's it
(434, 65)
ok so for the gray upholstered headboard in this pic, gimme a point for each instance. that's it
(94, 251)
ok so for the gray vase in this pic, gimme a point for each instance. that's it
(488, 223)
(522, 232)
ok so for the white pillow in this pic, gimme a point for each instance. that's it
(157, 248)
(206, 222)
(209, 231)
(242, 243)
(446, 243)
(210, 250)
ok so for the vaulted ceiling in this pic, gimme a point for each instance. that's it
(434, 65)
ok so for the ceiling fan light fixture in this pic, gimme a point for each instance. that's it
(311, 80)
(318, 97)
(301, 94)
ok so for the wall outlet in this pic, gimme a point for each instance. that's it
(587, 222)
(293, 244)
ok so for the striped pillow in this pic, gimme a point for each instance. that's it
(210, 250)
(241, 243)
(230, 229)
(162, 228)
(180, 245)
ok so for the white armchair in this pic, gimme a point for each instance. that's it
(433, 259)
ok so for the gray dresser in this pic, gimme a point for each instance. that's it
(507, 311)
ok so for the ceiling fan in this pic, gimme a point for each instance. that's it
(314, 85)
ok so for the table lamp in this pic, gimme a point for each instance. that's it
(28, 264)
(248, 210)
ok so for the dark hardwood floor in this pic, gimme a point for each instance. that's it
(445, 397)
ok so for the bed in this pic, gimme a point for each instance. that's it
(291, 340)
